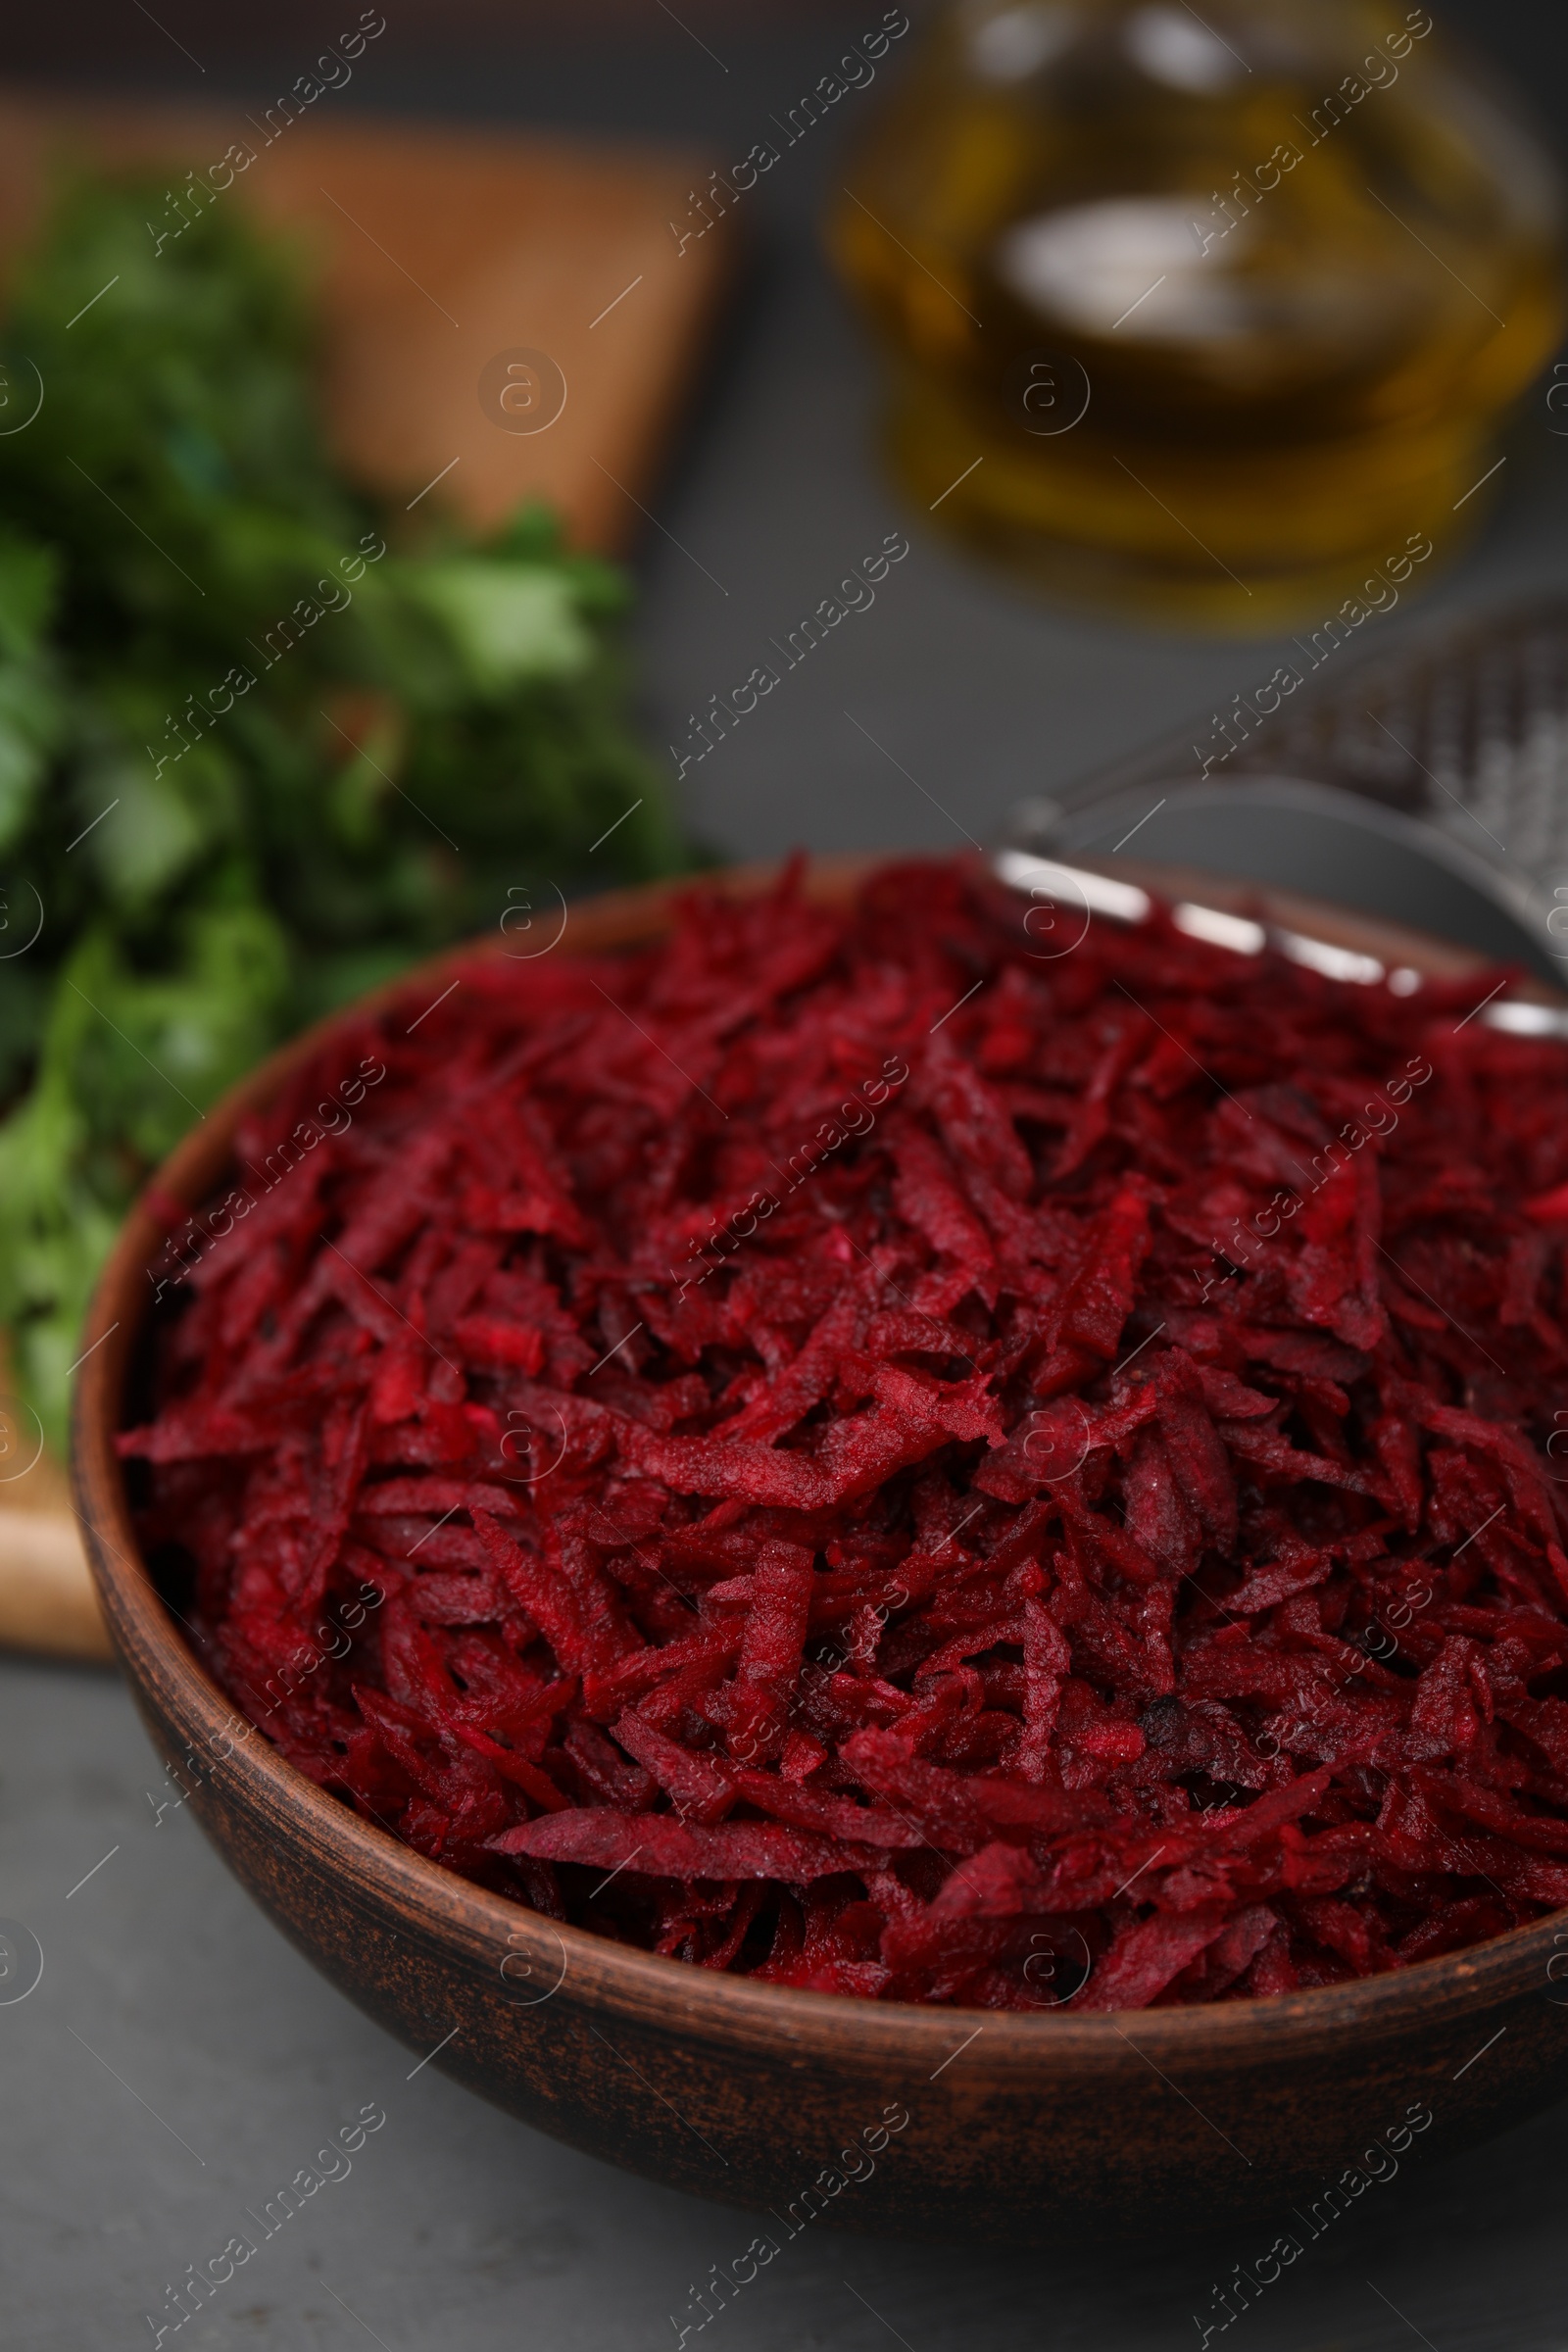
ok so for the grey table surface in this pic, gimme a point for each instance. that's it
(177, 2061)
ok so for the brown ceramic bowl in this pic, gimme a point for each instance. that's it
(967, 2126)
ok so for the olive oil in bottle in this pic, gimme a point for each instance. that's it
(1201, 316)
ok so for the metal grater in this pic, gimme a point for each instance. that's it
(1428, 783)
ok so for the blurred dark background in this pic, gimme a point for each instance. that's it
(921, 720)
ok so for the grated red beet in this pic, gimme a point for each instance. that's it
(839, 1448)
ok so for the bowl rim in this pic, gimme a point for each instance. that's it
(723, 2006)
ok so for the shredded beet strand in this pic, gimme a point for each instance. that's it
(843, 1449)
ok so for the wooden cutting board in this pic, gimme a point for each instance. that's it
(442, 253)
(47, 1600)
(444, 256)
